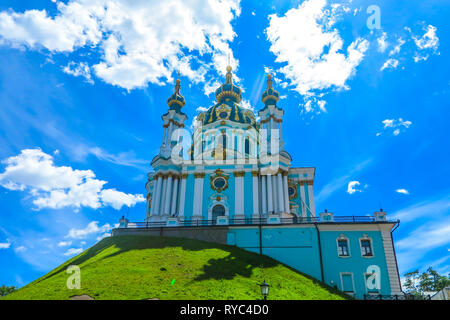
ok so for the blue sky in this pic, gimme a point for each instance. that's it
(83, 85)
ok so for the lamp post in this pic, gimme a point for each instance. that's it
(264, 289)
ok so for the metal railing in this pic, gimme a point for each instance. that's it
(395, 297)
(251, 221)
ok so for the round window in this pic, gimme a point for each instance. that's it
(223, 115)
(219, 182)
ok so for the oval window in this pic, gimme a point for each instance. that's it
(219, 183)
(291, 191)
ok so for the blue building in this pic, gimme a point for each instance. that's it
(234, 172)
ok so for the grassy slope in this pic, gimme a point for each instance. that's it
(142, 267)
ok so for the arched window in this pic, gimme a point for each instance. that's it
(247, 146)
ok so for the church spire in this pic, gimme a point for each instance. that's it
(270, 96)
(176, 99)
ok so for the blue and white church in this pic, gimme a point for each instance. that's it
(232, 181)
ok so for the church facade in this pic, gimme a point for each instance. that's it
(234, 171)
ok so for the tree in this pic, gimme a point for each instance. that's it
(428, 281)
(4, 290)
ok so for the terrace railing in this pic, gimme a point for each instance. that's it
(259, 221)
(395, 297)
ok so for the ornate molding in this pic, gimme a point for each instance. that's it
(255, 173)
(199, 174)
(239, 173)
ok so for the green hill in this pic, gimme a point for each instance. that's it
(145, 267)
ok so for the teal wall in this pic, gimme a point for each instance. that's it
(298, 247)
(356, 263)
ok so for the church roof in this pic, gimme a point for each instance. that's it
(228, 107)
(270, 96)
(176, 100)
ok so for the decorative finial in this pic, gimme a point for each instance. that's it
(269, 81)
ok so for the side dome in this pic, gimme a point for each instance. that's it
(228, 89)
(270, 96)
(176, 100)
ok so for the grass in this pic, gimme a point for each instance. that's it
(144, 267)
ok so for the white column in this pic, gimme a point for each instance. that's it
(280, 190)
(164, 136)
(168, 195)
(275, 194)
(281, 136)
(255, 193)
(311, 200)
(269, 195)
(182, 197)
(173, 209)
(198, 196)
(303, 200)
(157, 196)
(286, 194)
(239, 195)
(264, 194)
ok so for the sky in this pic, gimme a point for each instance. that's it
(365, 87)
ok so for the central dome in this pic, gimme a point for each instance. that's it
(228, 97)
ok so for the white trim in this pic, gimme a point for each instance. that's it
(391, 263)
(264, 194)
(173, 209)
(255, 195)
(198, 198)
(182, 197)
(366, 237)
(343, 237)
(239, 195)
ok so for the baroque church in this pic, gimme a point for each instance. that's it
(231, 182)
(236, 167)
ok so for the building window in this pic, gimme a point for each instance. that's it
(343, 247)
(366, 248)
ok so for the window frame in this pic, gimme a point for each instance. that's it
(343, 237)
(366, 238)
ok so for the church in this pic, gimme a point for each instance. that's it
(232, 181)
(235, 167)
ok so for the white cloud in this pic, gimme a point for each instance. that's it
(312, 50)
(396, 125)
(139, 41)
(64, 243)
(90, 229)
(117, 199)
(427, 44)
(79, 70)
(389, 64)
(397, 48)
(403, 191)
(423, 209)
(429, 40)
(382, 43)
(340, 182)
(73, 251)
(20, 249)
(351, 188)
(5, 245)
(59, 186)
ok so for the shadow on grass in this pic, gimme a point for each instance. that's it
(237, 262)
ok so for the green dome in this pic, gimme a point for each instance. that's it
(227, 110)
(176, 100)
(270, 96)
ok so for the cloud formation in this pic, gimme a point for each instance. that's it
(91, 229)
(140, 42)
(395, 125)
(352, 187)
(57, 187)
(312, 50)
